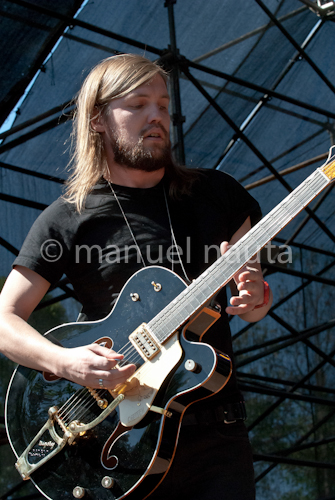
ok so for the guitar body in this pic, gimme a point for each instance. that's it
(130, 451)
(76, 442)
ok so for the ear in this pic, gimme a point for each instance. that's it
(97, 122)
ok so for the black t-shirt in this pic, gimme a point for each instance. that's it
(96, 251)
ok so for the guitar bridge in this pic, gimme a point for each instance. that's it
(144, 342)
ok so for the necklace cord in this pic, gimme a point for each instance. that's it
(173, 238)
(128, 225)
(174, 241)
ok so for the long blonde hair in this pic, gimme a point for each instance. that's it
(112, 78)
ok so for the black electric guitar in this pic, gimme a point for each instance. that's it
(78, 442)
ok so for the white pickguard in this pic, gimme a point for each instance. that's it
(147, 380)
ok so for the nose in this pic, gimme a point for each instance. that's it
(156, 114)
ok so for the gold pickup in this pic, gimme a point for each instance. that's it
(144, 342)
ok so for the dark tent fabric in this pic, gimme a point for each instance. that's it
(256, 84)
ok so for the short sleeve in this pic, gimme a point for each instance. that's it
(232, 199)
(47, 246)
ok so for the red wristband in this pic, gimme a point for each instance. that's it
(266, 296)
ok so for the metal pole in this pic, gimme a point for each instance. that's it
(177, 116)
(265, 98)
(251, 146)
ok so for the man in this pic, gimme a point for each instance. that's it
(127, 205)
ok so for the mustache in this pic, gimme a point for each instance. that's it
(147, 130)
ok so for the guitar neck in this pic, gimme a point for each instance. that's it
(175, 314)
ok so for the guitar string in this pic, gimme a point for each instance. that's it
(125, 350)
(72, 413)
(68, 411)
(77, 401)
(72, 399)
(75, 398)
(128, 349)
(134, 357)
(288, 209)
(84, 410)
(69, 401)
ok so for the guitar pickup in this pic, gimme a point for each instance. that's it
(144, 342)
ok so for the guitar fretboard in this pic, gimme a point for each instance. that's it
(175, 314)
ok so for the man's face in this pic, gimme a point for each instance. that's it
(136, 127)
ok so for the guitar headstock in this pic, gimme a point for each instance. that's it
(329, 167)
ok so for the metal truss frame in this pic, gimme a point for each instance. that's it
(181, 67)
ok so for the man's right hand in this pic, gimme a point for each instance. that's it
(87, 364)
(21, 343)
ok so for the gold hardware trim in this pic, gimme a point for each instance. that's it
(162, 411)
(74, 429)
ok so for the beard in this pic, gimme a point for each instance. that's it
(138, 157)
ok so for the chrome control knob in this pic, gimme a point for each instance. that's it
(191, 365)
(107, 482)
(78, 492)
